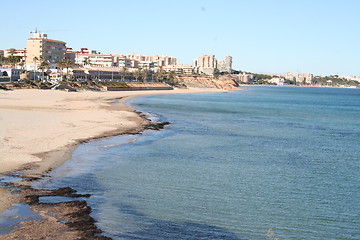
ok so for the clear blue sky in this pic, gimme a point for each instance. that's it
(274, 36)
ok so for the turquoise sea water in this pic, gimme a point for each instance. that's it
(230, 166)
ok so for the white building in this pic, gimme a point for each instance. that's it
(225, 65)
(277, 81)
(179, 69)
(104, 60)
(9, 74)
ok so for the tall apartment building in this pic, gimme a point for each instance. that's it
(304, 78)
(207, 61)
(225, 65)
(39, 46)
(206, 64)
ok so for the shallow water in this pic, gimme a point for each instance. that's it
(11, 218)
(58, 199)
(230, 166)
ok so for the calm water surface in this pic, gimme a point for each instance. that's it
(230, 166)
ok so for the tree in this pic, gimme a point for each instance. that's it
(144, 74)
(137, 74)
(22, 64)
(35, 59)
(64, 63)
(159, 74)
(12, 60)
(61, 66)
(44, 65)
(170, 78)
(123, 73)
(87, 61)
(12, 51)
(216, 73)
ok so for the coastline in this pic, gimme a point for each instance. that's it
(41, 128)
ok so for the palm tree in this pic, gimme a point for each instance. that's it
(35, 59)
(13, 60)
(12, 51)
(61, 65)
(159, 74)
(22, 64)
(123, 72)
(64, 63)
(2, 61)
(43, 65)
(68, 65)
(87, 61)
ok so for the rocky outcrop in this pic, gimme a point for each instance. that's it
(223, 82)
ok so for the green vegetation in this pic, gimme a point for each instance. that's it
(170, 79)
(64, 64)
(87, 61)
(11, 60)
(3, 87)
(159, 75)
(27, 84)
(124, 71)
(44, 66)
(233, 71)
(334, 80)
(261, 77)
(94, 85)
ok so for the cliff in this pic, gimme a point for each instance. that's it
(223, 82)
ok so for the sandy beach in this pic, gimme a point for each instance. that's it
(39, 129)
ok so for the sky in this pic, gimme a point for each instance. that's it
(263, 36)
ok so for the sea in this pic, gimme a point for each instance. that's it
(261, 163)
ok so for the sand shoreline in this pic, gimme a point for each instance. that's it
(23, 117)
(41, 128)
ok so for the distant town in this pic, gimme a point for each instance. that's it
(48, 60)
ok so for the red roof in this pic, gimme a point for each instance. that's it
(47, 40)
(94, 54)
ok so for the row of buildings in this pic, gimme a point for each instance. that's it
(40, 48)
(299, 78)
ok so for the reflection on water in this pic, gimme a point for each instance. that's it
(12, 217)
